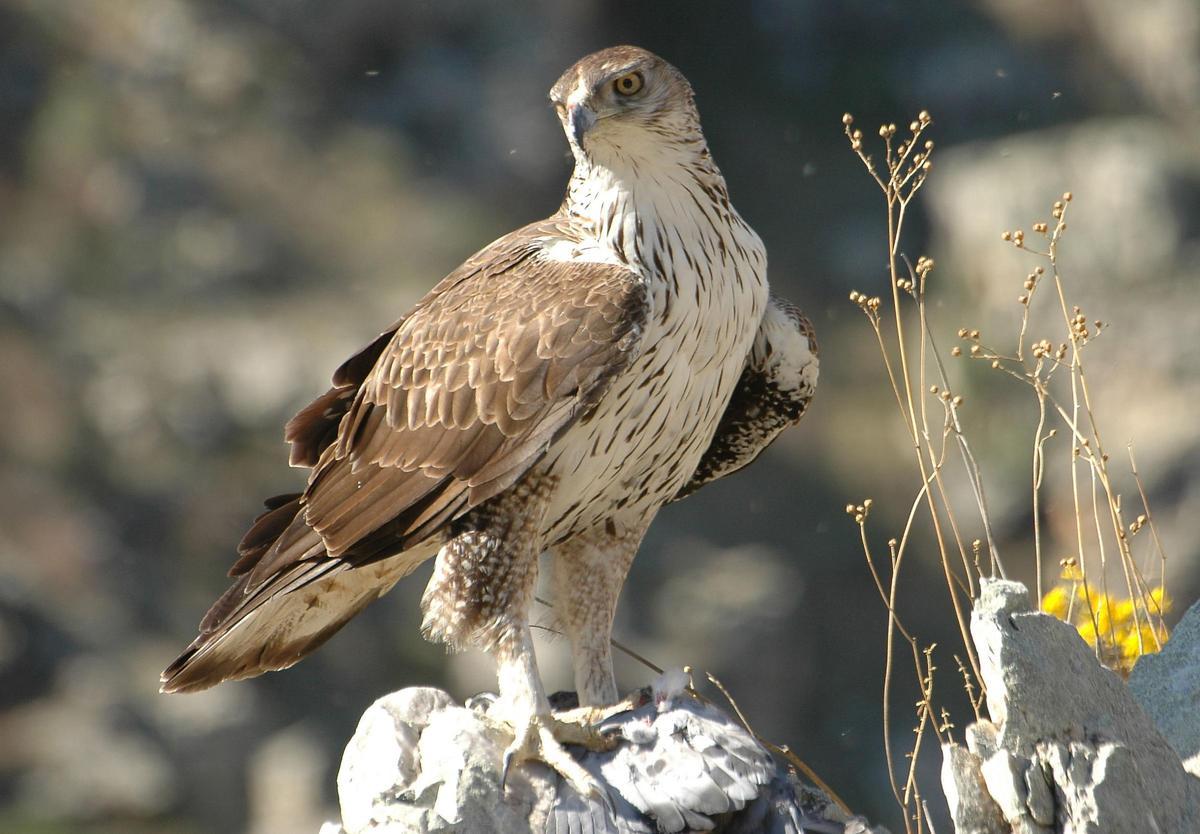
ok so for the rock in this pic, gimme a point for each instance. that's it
(971, 808)
(1068, 748)
(1167, 685)
(418, 762)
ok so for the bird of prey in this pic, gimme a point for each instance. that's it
(550, 394)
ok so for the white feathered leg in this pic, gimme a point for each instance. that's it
(589, 570)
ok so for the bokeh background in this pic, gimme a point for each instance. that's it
(206, 204)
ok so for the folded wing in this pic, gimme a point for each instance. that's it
(440, 413)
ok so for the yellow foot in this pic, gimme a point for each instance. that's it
(581, 725)
(540, 738)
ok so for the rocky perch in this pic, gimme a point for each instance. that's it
(421, 763)
(1070, 747)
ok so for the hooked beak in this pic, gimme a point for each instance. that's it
(579, 121)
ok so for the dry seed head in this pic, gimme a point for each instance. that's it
(957, 401)
(996, 364)
(1067, 195)
(849, 509)
(1022, 299)
(847, 119)
(962, 332)
(975, 350)
(923, 117)
(854, 295)
(1040, 227)
(1006, 236)
(956, 351)
(914, 126)
(933, 389)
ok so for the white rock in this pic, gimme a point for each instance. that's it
(420, 763)
(1167, 685)
(971, 808)
(1068, 748)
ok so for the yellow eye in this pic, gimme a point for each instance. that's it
(629, 84)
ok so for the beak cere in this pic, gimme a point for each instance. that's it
(579, 121)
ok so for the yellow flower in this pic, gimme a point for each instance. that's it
(1159, 601)
(1151, 639)
(1087, 630)
(1055, 602)
(1085, 591)
(1122, 612)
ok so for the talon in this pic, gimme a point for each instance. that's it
(582, 726)
(505, 764)
(535, 739)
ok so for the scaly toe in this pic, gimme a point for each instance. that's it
(582, 726)
(535, 740)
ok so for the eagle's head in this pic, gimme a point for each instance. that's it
(623, 99)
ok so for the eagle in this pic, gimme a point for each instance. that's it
(551, 394)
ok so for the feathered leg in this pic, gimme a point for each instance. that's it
(480, 594)
(589, 570)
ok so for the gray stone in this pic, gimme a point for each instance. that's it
(971, 807)
(1167, 685)
(1068, 749)
(420, 763)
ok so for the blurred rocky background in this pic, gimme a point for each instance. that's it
(206, 204)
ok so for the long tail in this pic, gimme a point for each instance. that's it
(264, 624)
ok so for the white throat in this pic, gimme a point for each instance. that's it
(635, 194)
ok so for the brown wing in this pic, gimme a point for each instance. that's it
(470, 390)
(460, 399)
(315, 427)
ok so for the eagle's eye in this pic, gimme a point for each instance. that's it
(629, 84)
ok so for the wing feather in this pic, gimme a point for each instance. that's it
(469, 390)
(441, 412)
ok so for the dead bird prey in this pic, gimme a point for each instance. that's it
(552, 393)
